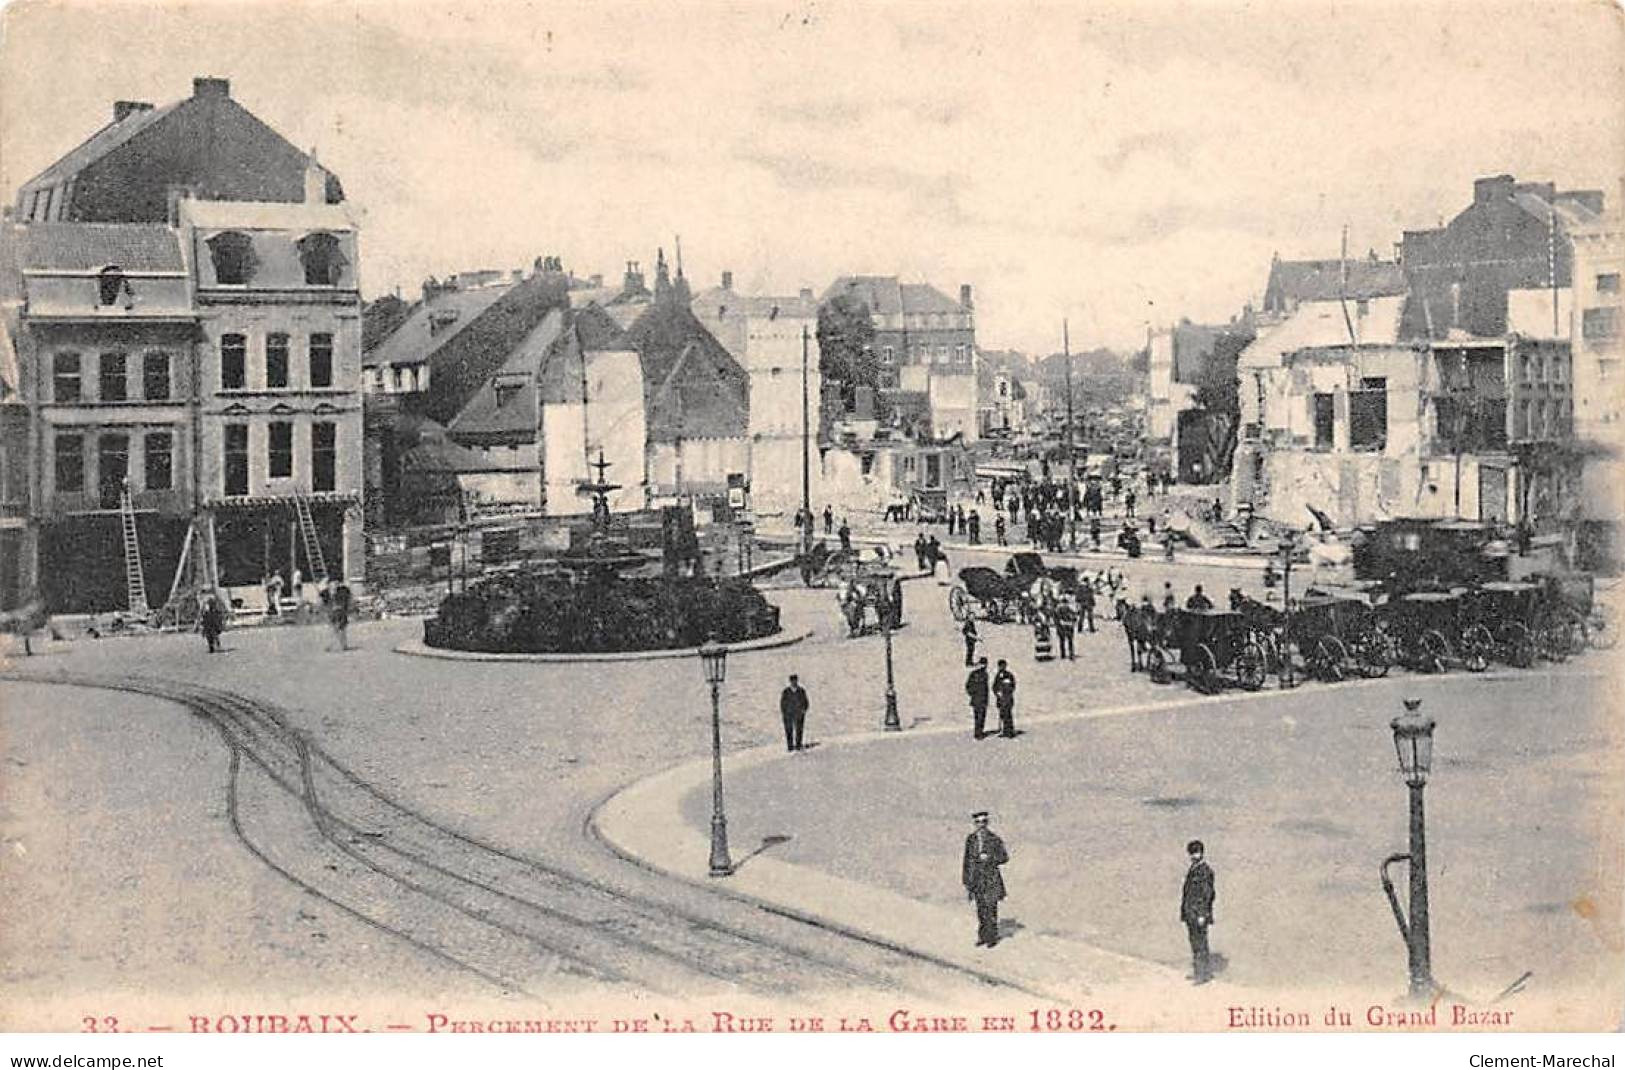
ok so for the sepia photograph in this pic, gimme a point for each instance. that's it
(775, 516)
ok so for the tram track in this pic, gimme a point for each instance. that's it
(518, 923)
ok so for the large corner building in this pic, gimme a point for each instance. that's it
(184, 319)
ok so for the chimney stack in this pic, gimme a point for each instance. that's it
(728, 280)
(806, 294)
(964, 296)
(123, 109)
(315, 181)
(211, 87)
(1497, 187)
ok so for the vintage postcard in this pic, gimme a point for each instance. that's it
(811, 517)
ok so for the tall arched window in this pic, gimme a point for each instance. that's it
(233, 256)
(323, 261)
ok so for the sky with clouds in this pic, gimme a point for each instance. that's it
(1117, 166)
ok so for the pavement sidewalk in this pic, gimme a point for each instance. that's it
(644, 824)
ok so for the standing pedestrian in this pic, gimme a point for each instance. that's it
(1094, 531)
(845, 535)
(971, 639)
(1168, 599)
(984, 854)
(920, 551)
(1042, 649)
(976, 689)
(793, 705)
(829, 519)
(934, 554)
(1128, 502)
(1004, 693)
(998, 529)
(213, 622)
(975, 527)
(1086, 605)
(338, 616)
(1196, 910)
(1066, 626)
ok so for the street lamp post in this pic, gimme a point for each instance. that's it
(1413, 741)
(714, 660)
(885, 605)
(1289, 544)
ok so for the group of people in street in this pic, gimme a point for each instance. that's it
(336, 599)
(985, 854)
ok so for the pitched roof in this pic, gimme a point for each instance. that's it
(415, 340)
(101, 143)
(1323, 280)
(206, 143)
(439, 455)
(732, 302)
(509, 414)
(1320, 324)
(546, 368)
(693, 387)
(93, 246)
(460, 368)
(885, 296)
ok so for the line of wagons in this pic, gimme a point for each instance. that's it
(1334, 638)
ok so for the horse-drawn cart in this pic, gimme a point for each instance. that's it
(1340, 637)
(1215, 647)
(1434, 630)
(987, 594)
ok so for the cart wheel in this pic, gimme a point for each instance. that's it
(1554, 642)
(956, 603)
(1156, 664)
(1330, 658)
(1476, 645)
(1376, 653)
(1516, 645)
(1436, 653)
(1604, 635)
(1251, 666)
(1202, 673)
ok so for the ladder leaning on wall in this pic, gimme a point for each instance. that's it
(135, 584)
(313, 543)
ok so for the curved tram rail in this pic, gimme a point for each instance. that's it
(516, 922)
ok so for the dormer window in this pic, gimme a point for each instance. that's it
(233, 255)
(322, 259)
(113, 286)
(506, 392)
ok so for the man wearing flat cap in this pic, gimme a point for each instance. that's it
(1196, 910)
(984, 854)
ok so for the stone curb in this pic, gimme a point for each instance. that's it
(642, 823)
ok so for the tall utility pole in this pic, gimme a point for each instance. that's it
(806, 451)
(1071, 453)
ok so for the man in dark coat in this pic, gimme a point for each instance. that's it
(984, 854)
(976, 691)
(1086, 604)
(1066, 627)
(1198, 601)
(972, 637)
(1196, 910)
(1004, 693)
(934, 554)
(213, 622)
(845, 535)
(920, 551)
(793, 705)
(829, 519)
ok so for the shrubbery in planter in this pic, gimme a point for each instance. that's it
(536, 614)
